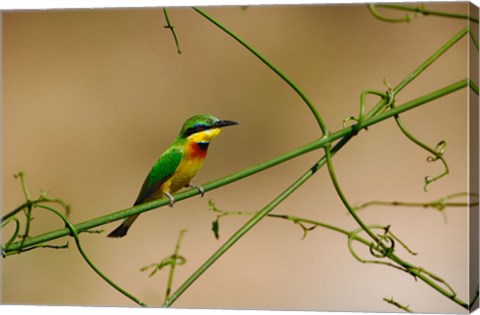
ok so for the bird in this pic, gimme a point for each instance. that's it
(178, 164)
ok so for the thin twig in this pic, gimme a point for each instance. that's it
(172, 266)
(439, 204)
(422, 11)
(400, 306)
(313, 109)
(172, 29)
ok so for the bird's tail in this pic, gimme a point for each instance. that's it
(122, 229)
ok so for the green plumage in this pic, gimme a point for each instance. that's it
(161, 171)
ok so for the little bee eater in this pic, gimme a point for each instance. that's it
(178, 164)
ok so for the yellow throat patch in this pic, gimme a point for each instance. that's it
(204, 136)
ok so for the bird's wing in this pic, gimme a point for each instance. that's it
(163, 169)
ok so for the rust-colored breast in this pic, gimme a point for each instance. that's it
(197, 149)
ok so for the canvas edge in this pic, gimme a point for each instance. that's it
(473, 110)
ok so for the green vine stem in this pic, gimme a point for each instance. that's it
(422, 11)
(439, 204)
(406, 18)
(378, 110)
(172, 261)
(380, 252)
(427, 277)
(294, 219)
(397, 263)
(333, 177)
(39, 203)
(249, 225)
(376, 113)
(74, 233)
(430, 279)
(431, 59)
(15, 232)
(387, 98)
(43, 198)
(437, 152)
(235, 237)
(172, 266)
(28, 210)
(300, 93)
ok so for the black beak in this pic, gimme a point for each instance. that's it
(224, 123)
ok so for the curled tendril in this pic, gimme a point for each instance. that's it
(402, 244)
(169, 261)
(364, 93)
(348, 119)
(27, 209)
(439, 151)
(388, 85)
(384, 250)
(390, 93)
(40, 203)
(428, 180)
(404, 19)
(378, 262)
(437, 155)
(378, 250)
(388, 96)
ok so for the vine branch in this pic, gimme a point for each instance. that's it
(40, 203)
(419, 10)
(270, 65)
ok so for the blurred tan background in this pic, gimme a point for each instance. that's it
(93, 97)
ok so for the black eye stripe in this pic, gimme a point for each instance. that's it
(195, 129)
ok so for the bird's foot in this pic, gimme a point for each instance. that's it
(170, 197)
(199, 188)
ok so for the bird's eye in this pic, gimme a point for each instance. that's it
(195, 129)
